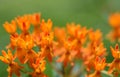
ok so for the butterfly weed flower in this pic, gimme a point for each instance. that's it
(35, 19)
(114, 65)
(99, 65)
(38, 67)
(114, 21)
(61, 45)
(69, 54)
(78, 33)
(95, 47)
(95, 36)
(13, 67)
(23, 22)
(24, 50)
(60, 35)
(10, 27)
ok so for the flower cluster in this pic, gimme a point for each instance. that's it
(34, 42)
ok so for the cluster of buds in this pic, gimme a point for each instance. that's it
(34, 42)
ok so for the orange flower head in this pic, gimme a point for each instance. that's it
(13, 40)
(115, 63)
(21, 43)
(10, 27)
(73, 29)
(47, 38)
(39, 67)
(60, 34)
(115, 52)
(100, 50)
(114, 20)
(39, 63)
(95, 36)
(46, 26)
(77, 32)
(68, 53)
(82, 34)
(13, 66)
(23, 23)
(99, 63)
(26, 43)
(7, 58)
(35, 19)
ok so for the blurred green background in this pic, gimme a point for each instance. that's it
(90, 13)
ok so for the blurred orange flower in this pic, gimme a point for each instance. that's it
(13, 67)
(10, 27)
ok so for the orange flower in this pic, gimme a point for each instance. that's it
(25, 43)
(115, 63)
(77, 32)
(73, 29)
(13, 41)
(47, 52)
(23, 22)
(95, 36)
(24, 49)
(10, 27)
(115, 52)
(39, 67)
(7, 58)
(114, 20)
(46, 26)
(60, 34)
(89, 54)
(46, 44)
(46, 39)
(66, 58)
(13, 66)
(35, 19)
(81, 36)
(99, 65)
(68, 54)
(30, 57)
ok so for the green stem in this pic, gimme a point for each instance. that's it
(105, 72)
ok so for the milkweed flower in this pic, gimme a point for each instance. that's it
(10, 27)
(60, 35)
(23, 22)
(95, 47)
(38, 67)
(13, 67)
(114, 66)
(99, 65)
(77, 32)
(63, 45)
(114, 21)
(68, 54)
(95, 36)
(69, 43)
(24, 49)
(35, 19)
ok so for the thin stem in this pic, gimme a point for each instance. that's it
(105, 72)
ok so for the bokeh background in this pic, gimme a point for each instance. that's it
(90, 13)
